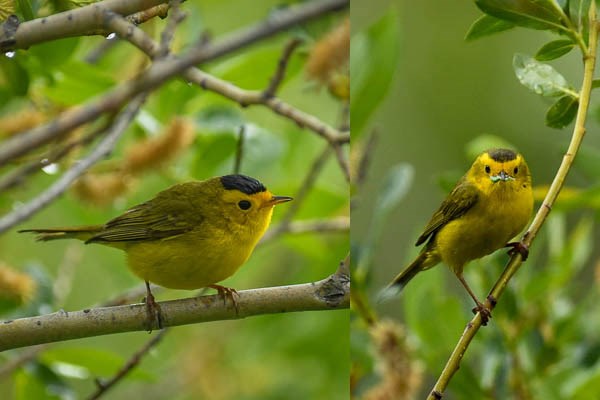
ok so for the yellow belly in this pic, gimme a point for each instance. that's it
(488, 226)
(188, 261)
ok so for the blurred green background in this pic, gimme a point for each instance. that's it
(292, 356)
(448, 100)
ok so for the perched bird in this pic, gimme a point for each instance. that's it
(191, 235)
(489, 205)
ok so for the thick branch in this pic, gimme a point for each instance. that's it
(515, 262)
(327, 294)
(69, 23)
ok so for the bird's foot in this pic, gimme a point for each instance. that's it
(153, 313)
(227, 292)
(484, 311)
(518, 247)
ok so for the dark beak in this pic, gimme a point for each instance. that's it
(279, 199)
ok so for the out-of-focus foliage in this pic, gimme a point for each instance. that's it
(452, 100)
(188, 134)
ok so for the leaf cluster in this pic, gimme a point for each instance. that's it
(568, 19)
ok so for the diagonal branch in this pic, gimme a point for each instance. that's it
(160, 72)
(515, 262)
(63, 183)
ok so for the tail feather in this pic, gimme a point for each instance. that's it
(395, 287)
(81, 233)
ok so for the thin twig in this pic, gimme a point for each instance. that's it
(139, 18)
(327, 294)
(342, 160)
(104, 386)
(7, 368)
(328, 225)
(239, 153)
(277, 78)
(365, 158)
(18, 175)
(159, 73)
(515, 262)
(177, 16)
(305, 187)
(57, 188)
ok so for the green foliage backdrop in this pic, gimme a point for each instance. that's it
(450, 99)
(292, 356)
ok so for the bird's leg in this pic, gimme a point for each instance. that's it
(518, 247)
(226, 292)
(485, 312)
(152, 309)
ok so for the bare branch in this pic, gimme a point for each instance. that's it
(327, 294)
(281, 67)
(63, 183)
(18, 175)
(166, 37)
(307, 184)
(70, 23)
(160, 72)
(104, 386)
(239, 154)
(342, 160)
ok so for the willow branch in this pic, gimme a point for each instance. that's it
(245, 98)
(105, 385)
(161, 72)
(327, 294)
(70, 23)
(515, 262)
(64, 182)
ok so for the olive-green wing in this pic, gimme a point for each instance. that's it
(169, 214)
(459, 201)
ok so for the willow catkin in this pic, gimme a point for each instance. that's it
(15, 286)
(155, 152)
(401, 375)
(328, 60)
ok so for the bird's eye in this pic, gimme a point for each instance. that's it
(244, 204)
(487, 169)
(516, 170)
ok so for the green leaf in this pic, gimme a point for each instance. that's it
(97, 362)
(15, 75)
(595, 83)
(561, 113)
(538, 14)
(578, 13)
(77, 82)
(554, 49)
(37, 381)
(392, 190)
(394, 187)
(540, 78)
(54, 53)
(374, 55)
(487, 25)
(25, 9)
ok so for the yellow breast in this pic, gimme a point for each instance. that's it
(488, 226)
(192, 260)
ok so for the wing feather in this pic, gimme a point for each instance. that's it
(462, 198)
(169, 214)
